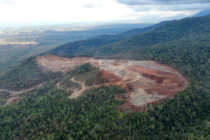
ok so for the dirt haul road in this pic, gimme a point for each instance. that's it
(77, 93)
(145, 81)
(14, 95)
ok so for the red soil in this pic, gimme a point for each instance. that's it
(110, 76)
(167, 83)
(144, 81)
(12, 100)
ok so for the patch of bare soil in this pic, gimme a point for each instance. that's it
(15, 95)
(77, 93)
(145, 81)
(12, 100)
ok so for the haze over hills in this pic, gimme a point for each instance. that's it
(203, 13)
(78, 46)
(165, 32)
(171, 58)
(20, 43)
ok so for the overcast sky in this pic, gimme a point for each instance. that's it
(70, 11)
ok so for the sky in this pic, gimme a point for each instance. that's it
(79, 11)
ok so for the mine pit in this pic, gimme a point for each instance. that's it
(144, 81)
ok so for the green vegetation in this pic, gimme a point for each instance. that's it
(25, 75)
(93, 77)
(47, 38)
(3, 97)
(54, 116)
(85, 73)
(189, 29)
(94, 116)
(79, 47)
(48, 114)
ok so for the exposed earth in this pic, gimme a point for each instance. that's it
(144, 81)
(77, 93)
(14, 96)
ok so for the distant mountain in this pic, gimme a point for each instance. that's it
(164, 32)
(186, 29)
(173, 40)
(202, 13)
(78, 47)
(119, 28)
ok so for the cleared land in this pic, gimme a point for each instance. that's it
(77, 93)
(145, 81)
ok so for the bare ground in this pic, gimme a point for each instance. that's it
(15, 95)
(77, 93)
(145, 81)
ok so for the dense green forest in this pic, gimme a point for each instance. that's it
(25, 75)
(76, 48)
(189, 29)
(94, 116)
(47, 113)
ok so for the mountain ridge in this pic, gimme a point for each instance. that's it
(160, 33)
(48, 113)
(202, 13)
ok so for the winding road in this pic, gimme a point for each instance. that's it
(77, 93)
(15, 94)
(21, 91)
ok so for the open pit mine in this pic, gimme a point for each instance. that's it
(145, 82)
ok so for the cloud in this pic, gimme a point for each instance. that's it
(89, 6)
(158, 16)
(178, 7)
(173, 5)
(73, 11)
(165, 2)
(63, 11)
(8, 2)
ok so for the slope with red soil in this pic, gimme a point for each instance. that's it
(145, 81)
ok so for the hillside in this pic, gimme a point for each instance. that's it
(78, 47)
(20, 43)
(144, 82)
(178, 43)
(25, 75)
(186, 29)
(48, 113)
(202, 13)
